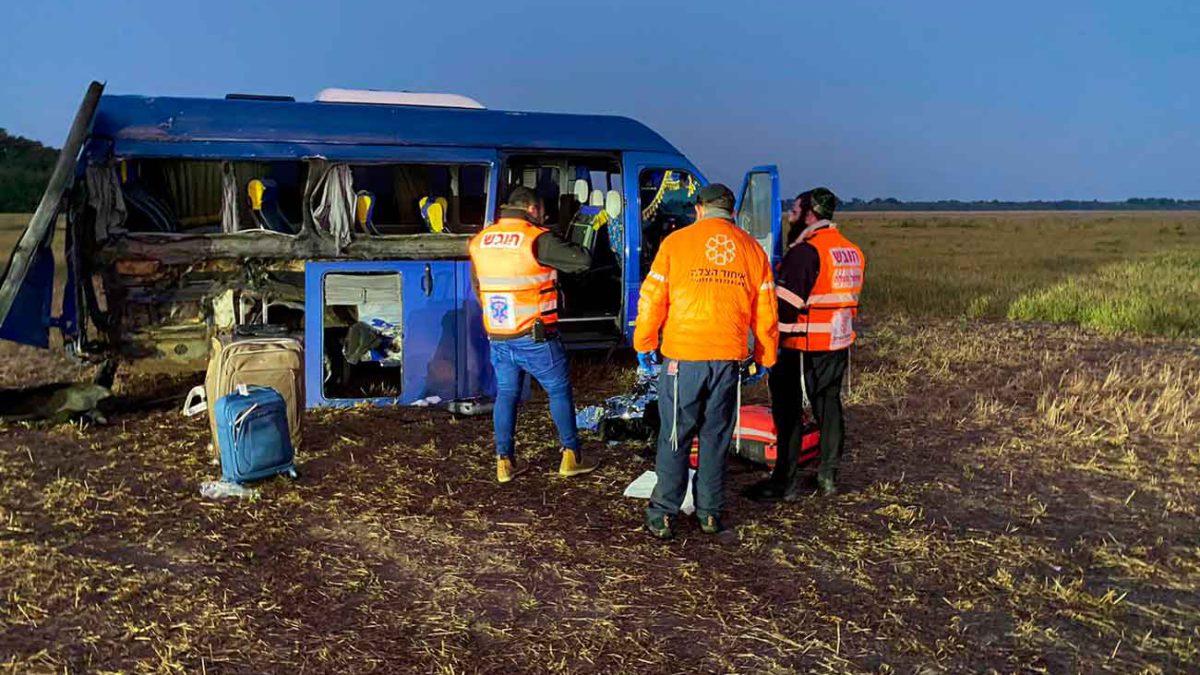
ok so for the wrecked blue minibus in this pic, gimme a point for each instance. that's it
(187, 217)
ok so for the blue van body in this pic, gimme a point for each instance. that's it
(168, 243)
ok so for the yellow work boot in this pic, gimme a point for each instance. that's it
(508, 468)
(573, 464)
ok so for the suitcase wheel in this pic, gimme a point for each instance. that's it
(293, 474)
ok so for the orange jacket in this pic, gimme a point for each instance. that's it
(514, 288)
(709, 286)
(825, 319)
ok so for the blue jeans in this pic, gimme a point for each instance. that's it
(695, 398)
(547, 363)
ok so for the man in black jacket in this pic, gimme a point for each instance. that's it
(817, 287)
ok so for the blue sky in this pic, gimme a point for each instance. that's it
(915, 100)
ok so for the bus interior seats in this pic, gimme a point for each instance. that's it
(568, 206)
(582, 190)
(597, 198)
(364, 212)
(613, 205)
(147, 213)
(529, 178)
(569, 203)
(264, 204)
(433, 212)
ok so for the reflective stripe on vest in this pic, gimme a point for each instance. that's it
(515, 290)
(827, 323)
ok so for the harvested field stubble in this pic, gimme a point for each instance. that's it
(1017, 497)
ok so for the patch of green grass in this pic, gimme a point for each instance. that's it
(946, 265)
(1159, 295)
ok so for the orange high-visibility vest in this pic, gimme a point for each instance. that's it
(826, 322)
(515, 290)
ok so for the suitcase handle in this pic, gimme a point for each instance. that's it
(190, 407)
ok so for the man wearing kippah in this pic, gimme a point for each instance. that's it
(818, 284)
(709, 287)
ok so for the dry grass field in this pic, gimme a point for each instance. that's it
(1021, 495)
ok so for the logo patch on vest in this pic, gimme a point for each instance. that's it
(842, 334)
(720, 250)
(847, 277)
(845, 257)
(501, 240)
(501, 310)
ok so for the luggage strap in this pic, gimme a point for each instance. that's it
(191, 407)
(237, 423)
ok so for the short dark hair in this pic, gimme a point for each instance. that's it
(716, 195)
(522, 198)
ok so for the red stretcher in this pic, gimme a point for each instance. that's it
(754, 439)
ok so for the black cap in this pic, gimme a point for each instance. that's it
(716, 195)
(820, 200)
(521, 198)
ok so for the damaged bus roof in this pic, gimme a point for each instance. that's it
(201, 127)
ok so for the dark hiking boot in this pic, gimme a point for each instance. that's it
(765, 491)
(660, 527)
(827, 487)
(711, 524)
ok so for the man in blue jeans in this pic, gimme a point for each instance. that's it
(516, 263)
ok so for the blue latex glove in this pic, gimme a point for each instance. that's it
(646, 363)
(756, 373)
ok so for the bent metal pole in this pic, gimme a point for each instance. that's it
(43, 218)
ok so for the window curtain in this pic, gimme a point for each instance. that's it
(332, 202)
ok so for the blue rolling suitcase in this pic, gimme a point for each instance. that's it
(253, 434)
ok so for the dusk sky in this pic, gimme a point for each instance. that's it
(921, 100)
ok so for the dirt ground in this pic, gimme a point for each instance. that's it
(1016, 498)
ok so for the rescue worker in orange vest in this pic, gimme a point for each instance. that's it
(516, 263)
(709, 286)
(818, 285)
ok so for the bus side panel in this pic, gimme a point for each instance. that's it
(430, 330)
(476, 378)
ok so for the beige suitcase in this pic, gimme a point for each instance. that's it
(269, 362)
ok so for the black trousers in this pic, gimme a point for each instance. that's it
(703, 394)
(823, 373)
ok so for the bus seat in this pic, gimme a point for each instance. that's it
(265, 206)
(597, 198)
(612, 203)
(157, 214)
(568, 206)
(582, 191)
(586, 225)
(529, 178)
(433, 212)
(364, 212)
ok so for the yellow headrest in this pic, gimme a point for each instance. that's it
(256, 190)
(362, 208)
(434, 212)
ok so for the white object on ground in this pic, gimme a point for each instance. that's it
(643, 486)
(426, 402)
(219, 489)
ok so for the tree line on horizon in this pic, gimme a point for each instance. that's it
(1132, 204)
(25, 167)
